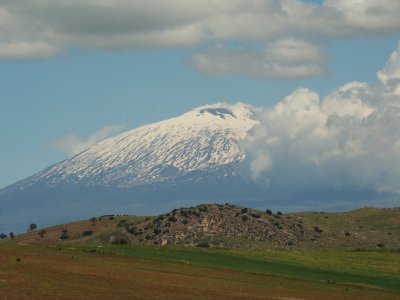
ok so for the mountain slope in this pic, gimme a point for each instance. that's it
(204, 139)
(188, 159)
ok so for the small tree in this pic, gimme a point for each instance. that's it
(42, 232)
(32, 227)
(3, 236)
(11, 235)
(64, 235)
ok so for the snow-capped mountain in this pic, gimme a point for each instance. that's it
(206, 139)
(193, 156)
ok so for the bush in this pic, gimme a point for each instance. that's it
(317, 229)
(244, 210)
(120, 241)
(203, 245)
(32, 227)
(279, 213)
(122, 223)
(132, 230)
(257, 216)
(87, 232)
(3, 236)
(42, 232)
(172, 219)
(268, 211)
(203, 209)
(64, 235)
(245, 218)
(380, 245)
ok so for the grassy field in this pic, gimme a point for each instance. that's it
(29, 271)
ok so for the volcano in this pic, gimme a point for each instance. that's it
(190, 159)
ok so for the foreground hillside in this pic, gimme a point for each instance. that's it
(230, 226)
(43, 271)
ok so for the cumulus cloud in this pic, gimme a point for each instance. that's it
(43, 28)
(285, 59)
(72, 144)
(349, 140)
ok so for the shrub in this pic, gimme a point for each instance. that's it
(203, 245)
(245, 218)
(122, 223)
(268, 211)
(64, 235)
(317, 229)
(3, 236)
(244, 210)
(184, 213)
(380, 245)
(132, 230)
(32, 227)
(172, 219)
(42, 232)
(120, 241)
(203, 209)
(11, 235)
(257, 216)
(157, 231)
(87, 232)
(279, 213)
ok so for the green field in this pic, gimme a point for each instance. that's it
(93, 272)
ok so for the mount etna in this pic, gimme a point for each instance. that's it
(190, 159)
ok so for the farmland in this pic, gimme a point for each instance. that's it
(87, 271)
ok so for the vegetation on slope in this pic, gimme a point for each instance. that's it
(230, 226)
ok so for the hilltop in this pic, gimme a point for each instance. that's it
(230, 226)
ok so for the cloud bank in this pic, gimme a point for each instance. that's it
(349, 140)
(268, 30)
(72, 144)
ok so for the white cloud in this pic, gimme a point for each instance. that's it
(348, 141)
(24, 50)
(72, 144)
(44, 28)
(286, 59)
(390, 74)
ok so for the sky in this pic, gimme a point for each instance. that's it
(74, 72)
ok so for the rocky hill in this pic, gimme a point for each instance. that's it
(216, 225)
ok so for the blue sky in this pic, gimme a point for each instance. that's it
(52, 87)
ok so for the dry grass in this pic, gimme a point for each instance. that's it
(50, 272)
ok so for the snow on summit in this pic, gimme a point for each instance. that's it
(205, 139)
